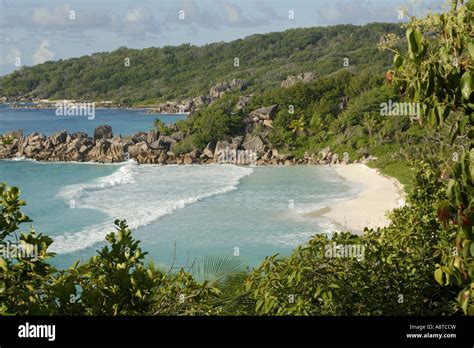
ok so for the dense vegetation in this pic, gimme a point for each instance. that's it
(170, 72)
(422, 263)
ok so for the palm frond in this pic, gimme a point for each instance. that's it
(216, 268)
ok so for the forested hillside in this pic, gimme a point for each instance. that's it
(151, 74)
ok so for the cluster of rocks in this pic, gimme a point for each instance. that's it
(150, 147)
(188, 105)
(325, 156)
(292, 80)
(182, 106)
(246, 150)
(103, 147)
(263, 116)
(220, 89)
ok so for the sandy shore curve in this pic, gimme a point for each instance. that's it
(368, 209)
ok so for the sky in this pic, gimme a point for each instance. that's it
(33, 31)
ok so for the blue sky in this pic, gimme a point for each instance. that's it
(37, 31)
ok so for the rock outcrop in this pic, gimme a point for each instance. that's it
(263, 116)
(254, 143)
(181, 106)
(155, 148)
(17, 133)
(221, 88)
(292, 80)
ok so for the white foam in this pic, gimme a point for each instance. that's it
(18, 158)
(143, 194)
(293, 239)
(124, 175)
(347, 191)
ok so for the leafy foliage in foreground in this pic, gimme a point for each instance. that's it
(394, 275)
(438, 72)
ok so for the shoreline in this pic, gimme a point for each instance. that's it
(51, 105)
(368, 209)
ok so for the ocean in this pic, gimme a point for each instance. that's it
(178, 212)
(123, 121)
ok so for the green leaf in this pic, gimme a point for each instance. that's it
(450, 189)
(438, 274)
(432, 117)
(470, 47)
(216, 268)
(466, 85)
(464, 301)
(470, 5)
(441, 112)
(414, 41)
(457, 262)
(3, 264)
(397, 61)
(462, 125)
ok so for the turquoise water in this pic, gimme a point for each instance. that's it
(123, 121)
(188, 211)
(178, 212)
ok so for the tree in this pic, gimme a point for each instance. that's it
(298, 126)
(25, 276)
(437, 72)
(162, 127)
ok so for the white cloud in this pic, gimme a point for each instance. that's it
(43, 53)
(65, 18)
(53, 17)
(10, 57)
(190, 8)
(232, 12)
(356, 12)
(136, 23)
(199, 17)
(365, 11)
(140, 18)
(225, 13)
(136, 14)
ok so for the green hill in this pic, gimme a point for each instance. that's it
(170, 72)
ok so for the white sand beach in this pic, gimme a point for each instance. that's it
(368, 209)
